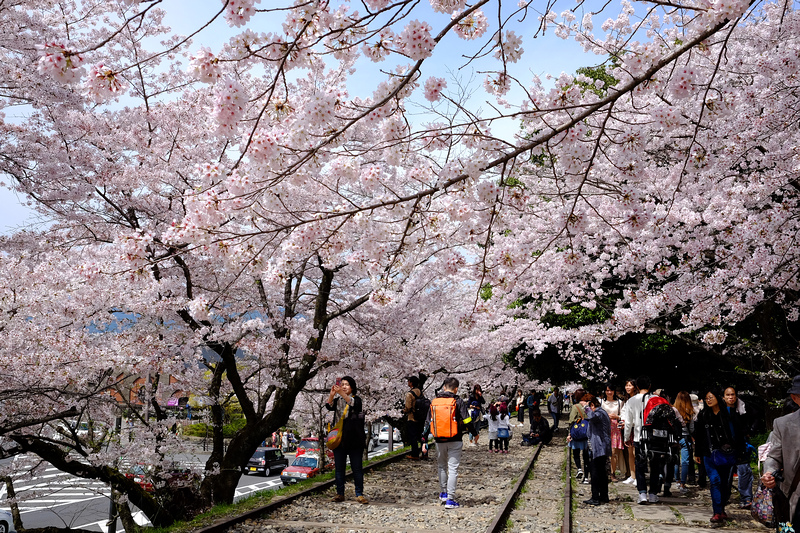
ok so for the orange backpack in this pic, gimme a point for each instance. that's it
(443, 418)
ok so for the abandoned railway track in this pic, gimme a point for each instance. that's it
(404, 498)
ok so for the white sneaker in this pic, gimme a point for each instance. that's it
(585, 480)
(652, 498)
(579, 474)
(630, 481)
(472, 444)
(642, 498)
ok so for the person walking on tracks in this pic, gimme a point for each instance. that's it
(447, 417)
(353, 440)
(413, 423)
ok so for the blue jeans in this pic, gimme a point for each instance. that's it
(340, 456)
(555, 415)
(719, 483)
(745, 482)
(683, 473)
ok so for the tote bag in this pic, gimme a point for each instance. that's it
(334, 438)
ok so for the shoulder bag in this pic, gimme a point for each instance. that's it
(334, 438)
(579, 430)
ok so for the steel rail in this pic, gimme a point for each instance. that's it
(498, 524)
(566, 525)
(225, 523)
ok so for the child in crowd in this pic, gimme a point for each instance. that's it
(503, 429)
(494, 419)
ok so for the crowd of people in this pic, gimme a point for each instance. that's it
(635, 436)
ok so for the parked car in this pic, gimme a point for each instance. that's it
(6, 522)
(383, 435)
(310, 445)
(306, 445)
(304, 467)
(264, 461)
(174, 476)
(372, 441)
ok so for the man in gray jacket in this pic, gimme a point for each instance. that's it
(784, 456)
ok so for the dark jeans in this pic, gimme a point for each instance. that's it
(521, 414)
(655, 467)
(340, 456)
(718, 477)
(414, 433)
(599, 478)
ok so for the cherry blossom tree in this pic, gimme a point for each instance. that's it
(242, 219)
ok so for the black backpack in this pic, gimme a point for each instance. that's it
(421, 407)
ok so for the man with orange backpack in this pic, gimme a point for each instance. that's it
(447, 418)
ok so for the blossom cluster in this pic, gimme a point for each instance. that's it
(103, 84)
(238, 12)
(415, 41)
(59, 63)
(204, 66)
(472, 26)
(229, 103)
(433, 88)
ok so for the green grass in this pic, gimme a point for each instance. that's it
(254, 501)
(628, 510)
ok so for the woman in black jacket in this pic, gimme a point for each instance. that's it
(719, 443)
(353, 440)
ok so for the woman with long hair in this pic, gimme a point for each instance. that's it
(344, 394)
(683, 404)
(718, 447)
(628, 451)
(613, 407)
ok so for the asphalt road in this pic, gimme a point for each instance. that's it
(50, 497)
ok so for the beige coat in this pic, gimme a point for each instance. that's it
(785, 453)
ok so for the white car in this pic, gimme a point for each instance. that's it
(6, 522)
(383, 435)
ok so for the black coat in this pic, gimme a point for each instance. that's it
(712, 432)
(353, 436)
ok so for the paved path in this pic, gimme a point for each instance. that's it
(676, 514)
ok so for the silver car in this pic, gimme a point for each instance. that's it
(6, 522)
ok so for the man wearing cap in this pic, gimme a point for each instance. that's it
(784, 456)
(413, 426)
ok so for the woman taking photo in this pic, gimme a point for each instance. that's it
(718, 447)
(613, 406)
(344, 393)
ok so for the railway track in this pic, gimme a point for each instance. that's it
(404, 498)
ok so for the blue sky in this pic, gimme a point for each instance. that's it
(548, 54)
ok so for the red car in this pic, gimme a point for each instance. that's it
(310, 445)
(304, 467)
(173, 477)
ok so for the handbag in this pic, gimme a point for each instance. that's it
(724, 456)
(503, 433)
(763, 508)
(334, 438)
(579, 430)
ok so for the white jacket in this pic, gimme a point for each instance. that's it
(632, 415)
